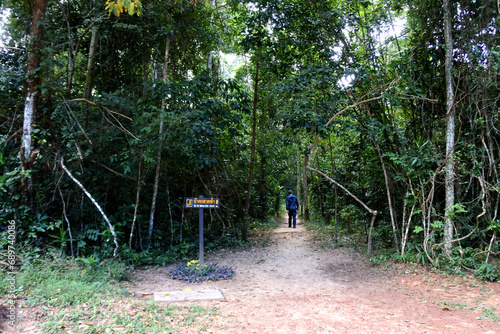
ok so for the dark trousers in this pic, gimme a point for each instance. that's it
(292, 215)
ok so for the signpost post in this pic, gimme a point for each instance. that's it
(200, 226)
(202, 203)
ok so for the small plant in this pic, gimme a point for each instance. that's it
(488, 272)
(488, 313)
(102, 316)
(455, 306)
(377, 260)
(194, 267)
(194, 272)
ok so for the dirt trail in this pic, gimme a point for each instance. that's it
(292, 286)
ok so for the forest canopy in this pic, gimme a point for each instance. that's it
(114, 112)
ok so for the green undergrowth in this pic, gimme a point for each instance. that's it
(229, 238)
(128, 316)
(57, 281)
(264, 225)
(488, 312)
(85, 296)
(328, 237)
(462, 262)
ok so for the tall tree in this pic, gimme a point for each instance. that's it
(450, 130)
(156, 184)
(89, 78)
(33, 81)
(252, 149)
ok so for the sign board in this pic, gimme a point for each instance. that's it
(202, 203)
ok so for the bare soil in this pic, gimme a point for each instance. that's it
(294, 286)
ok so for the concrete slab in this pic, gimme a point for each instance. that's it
(187, 294)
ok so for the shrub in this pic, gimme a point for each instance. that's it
(194, 272)
(488, 272)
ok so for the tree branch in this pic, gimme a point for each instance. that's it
(96, 205)
(109, 111)
(114, 171)
(373, 212)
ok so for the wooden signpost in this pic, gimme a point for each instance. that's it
(202, 203)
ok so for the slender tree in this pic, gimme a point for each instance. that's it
(156, 184)
(450, 130)
(89, 78)
(252, 150)
(33, 81)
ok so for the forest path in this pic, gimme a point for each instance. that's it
(293, 286)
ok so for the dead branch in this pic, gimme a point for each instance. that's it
(411, 97)
(95, 104)
(353, 106)
(372, 222)
(11, 48)
(18, 132)
(112, 113)
(111, 228)
(114, 171)
(120, 127)
(372, 212)
(72, 114)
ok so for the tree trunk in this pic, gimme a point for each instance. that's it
(137, 198)
(299, 192)
(305, 185)
(67, 220)
(370, 232)
(89, 79)
(252, 152)
(450, 130)
(262, 171)
(158, 156)
(387, 187)
(32, 93)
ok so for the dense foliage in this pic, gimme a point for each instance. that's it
(146, 110)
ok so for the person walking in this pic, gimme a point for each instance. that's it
(292, 204)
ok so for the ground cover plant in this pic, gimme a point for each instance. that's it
(59, 294)
(194, 272)
(126, 315)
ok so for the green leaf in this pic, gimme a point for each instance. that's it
(418, 229)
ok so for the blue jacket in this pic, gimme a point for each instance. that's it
(292, 202)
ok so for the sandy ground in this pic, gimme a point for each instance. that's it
(293, 286)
